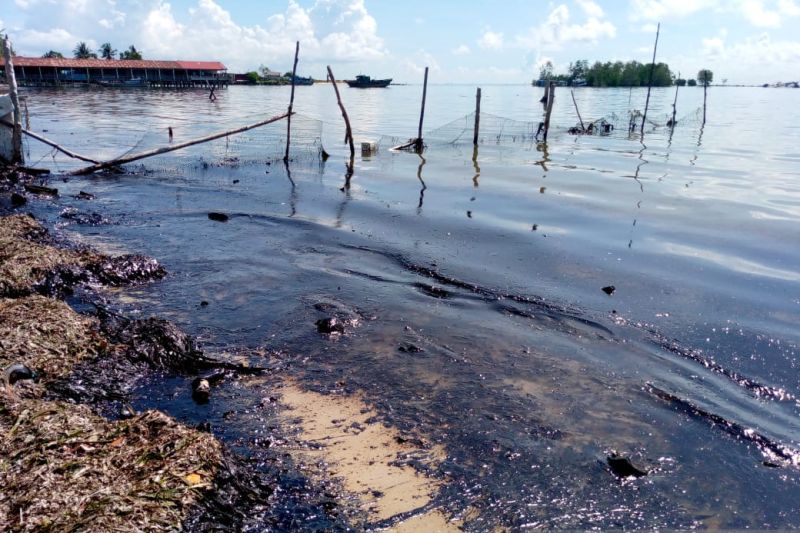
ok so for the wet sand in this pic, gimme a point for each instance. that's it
(365, 455)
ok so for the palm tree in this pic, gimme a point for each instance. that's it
(54, 54)
(82, 51)
(131, 53)
(107, 51)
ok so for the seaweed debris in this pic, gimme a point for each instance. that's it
(64, 468)
(32, 262)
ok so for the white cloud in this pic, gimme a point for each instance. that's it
(461, 50)
(662, 9)
(558, 31)
(491, 40)
(789, 8)
(759, 56)
(649, 28)
(591, 8)
(415, 67)
(329, 30)
(758, 15)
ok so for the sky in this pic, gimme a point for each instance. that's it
(462, 41)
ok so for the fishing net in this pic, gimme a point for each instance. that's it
(111, 140)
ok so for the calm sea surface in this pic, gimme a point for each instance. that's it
(491, 262)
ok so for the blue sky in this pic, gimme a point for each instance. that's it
(743, 41)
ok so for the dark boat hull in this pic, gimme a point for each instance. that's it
(368, 84)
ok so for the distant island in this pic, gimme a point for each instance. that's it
(610, 74)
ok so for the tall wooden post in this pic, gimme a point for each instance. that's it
(291, 104)
(551, 96)
(705, 94)
(576, 110)
(422, 110)
(675, 103)
(348, 133)
(477, 117)
(11, 79)
(650, 80)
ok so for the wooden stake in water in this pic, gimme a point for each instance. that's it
(422, 111)
(291, 104)
(348, 133)
(576, 110)
(11, 80)
(551, 96)
(675, 104)
(650, 80)
(477, 117)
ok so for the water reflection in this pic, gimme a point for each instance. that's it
(422, 162)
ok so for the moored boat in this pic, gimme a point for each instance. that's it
(365, 82)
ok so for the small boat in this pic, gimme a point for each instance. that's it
(134, 82)
(365, 82)
(299, 80)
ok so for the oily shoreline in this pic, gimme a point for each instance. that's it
(85, 377)
(63, 464)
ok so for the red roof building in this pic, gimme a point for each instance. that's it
(138, 72)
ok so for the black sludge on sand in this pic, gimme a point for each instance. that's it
(218, 217)
(126, 269)
(622, 466)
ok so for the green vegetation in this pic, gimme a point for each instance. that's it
(705, 77)
(54, 54)
(107, 51)
(131, 53)
(610, 74)
(252, 77)
(82, 51)
(680, 82)
(692, 83)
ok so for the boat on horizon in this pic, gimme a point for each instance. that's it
(365, 82)
(299, 80)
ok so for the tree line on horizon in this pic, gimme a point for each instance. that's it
(106, 51)
(620, 74)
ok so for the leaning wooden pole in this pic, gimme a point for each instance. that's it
(650, 80)
(576, 110)
(551, 96)
(422, 110)
(48, 142)
(675, 103)
(477, 117)
(291, 104)
(11, 79)
(172, 148)
(348, 133)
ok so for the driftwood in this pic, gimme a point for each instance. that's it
(650, 80)
(291, 104)
(477, 117)
(348, 133)
(48, 142)
(583, 128)
(165, 149)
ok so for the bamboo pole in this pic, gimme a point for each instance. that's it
(650, 80)
(11, 80)
(422, 110)
(477, 117)
(291, 104)
(48, 142)
(675, 103)
(705, 94)
(551, 96)
(165, 149)
(576, 109)
(348, 133)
